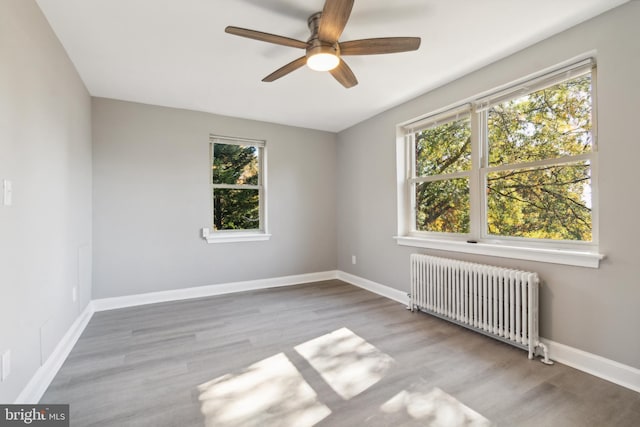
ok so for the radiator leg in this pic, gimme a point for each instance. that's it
(411, 306)
(545, 359)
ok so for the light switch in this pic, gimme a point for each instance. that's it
(5, 366)
(8, 192)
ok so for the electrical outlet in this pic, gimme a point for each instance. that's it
(5, 367)
(74, 294)
(353, 259)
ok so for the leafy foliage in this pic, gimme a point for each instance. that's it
(443, 205)
(548, 200)
(235, 208)
(545, 124)
(235, 164)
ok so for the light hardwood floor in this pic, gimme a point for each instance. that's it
(327, 354)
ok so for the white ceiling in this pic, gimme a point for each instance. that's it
(175, 53)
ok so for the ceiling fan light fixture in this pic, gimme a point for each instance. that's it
(323, 61)
(322, 58)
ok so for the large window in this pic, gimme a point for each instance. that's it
(515, 168)
(237, 189)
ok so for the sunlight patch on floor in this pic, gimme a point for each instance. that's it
(270, 392)
(347, 362)
(435, 409)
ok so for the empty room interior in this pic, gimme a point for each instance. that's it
(203, 223)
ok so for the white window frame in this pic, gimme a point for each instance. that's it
(478, 241)
(454, 114)
(234, 236)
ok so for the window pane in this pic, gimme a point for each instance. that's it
(443, 206)
(546, 124)
(235, 164)
(444, 149)
(236, 209)
(552, 202)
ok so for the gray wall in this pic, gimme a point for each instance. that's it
(593, 310)
(151, 193)
(45, 150)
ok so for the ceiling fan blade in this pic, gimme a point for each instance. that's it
(283, 71)
(335, 15)
(343, 74)
(265, 37)
(379, 45)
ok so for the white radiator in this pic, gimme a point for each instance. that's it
(495, 301)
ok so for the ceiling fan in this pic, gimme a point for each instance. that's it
(323, 49)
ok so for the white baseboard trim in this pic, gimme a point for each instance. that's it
(593, 364)
(104, 304)
(607, 369)
(374, 287)
(41, 380)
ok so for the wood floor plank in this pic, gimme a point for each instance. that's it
(199, 362)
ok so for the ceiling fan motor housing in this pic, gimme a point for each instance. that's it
(317, 46)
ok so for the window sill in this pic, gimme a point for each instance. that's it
(234, 237)
(554, 256)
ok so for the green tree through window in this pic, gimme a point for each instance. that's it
(551, 200)
(533, 174)
(236, 186)
(442, 204)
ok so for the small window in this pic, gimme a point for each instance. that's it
(237, 189)
(442, 170)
